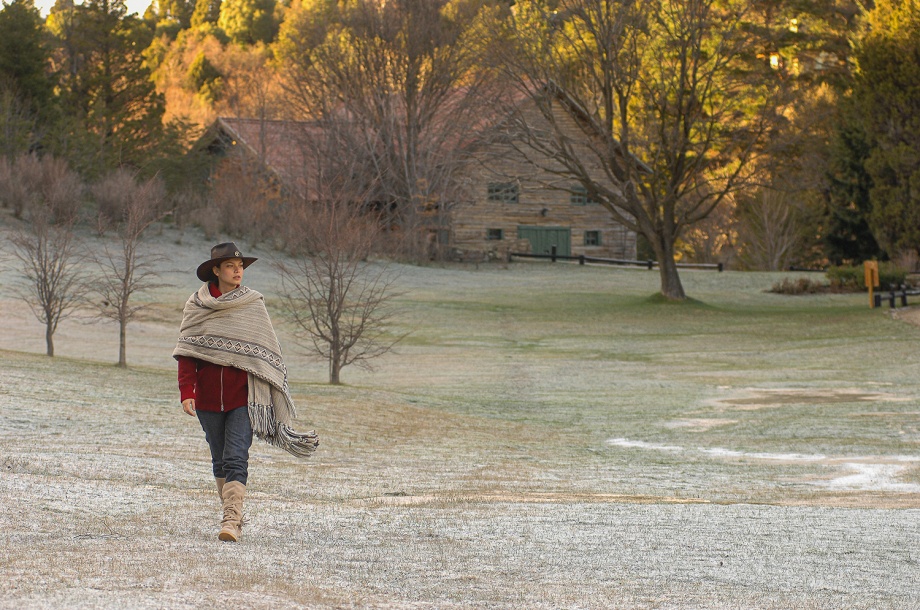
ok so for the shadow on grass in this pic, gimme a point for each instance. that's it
(659, 299)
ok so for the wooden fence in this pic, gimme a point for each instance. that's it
(582, 259)
(894, 296)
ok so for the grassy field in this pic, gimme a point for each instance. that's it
(546, 436)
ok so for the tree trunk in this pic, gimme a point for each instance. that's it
(49, 340)
(334, 368)
(122, 355)
(671, 287)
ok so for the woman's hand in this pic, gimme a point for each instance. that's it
(188, 405)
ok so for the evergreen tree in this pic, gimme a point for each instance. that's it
(171, 17)
(808, 45)
(116, 113)
(847, 236)
(886, 124)
(248, 21)
(24, 57)
(206, 11)
(179, 11)
(204, 79)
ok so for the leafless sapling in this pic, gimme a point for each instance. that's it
(52, 260)
(340, 303)
(124, 272)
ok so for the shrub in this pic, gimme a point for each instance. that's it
(890, 274)
(847, 278)
(854, 278)
(30, 184)
(110, 195)
(802, 285)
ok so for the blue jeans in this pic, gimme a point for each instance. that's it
(229, 435)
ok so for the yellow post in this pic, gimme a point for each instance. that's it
(871, 269)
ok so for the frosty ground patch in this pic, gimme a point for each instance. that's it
(578, 447)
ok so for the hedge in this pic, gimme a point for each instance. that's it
(854, 278)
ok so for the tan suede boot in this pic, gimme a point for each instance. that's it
(220, 487)
(231, 528)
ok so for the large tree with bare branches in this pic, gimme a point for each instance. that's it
(671, 97)
(404, 75)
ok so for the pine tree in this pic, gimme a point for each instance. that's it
(24, 57)
(248, 21)
(116, 113)
(206, 11)
(847, 235)
(885, 99)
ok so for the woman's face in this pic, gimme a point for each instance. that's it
(229, 273)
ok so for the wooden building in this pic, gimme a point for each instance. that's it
(513, 206)
(506, 206)
(280, 149)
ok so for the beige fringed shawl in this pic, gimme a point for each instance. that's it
(235, 330)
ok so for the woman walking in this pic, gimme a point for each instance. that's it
(229, 358)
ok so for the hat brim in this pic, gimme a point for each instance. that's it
(205, 274)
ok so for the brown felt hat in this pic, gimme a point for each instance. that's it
(219, 254)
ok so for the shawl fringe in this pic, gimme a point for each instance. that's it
(266, 428)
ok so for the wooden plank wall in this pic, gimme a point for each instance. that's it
(538, 205)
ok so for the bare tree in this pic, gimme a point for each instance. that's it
(770, 229)
(339, 302)
(45, 245)
(712, 239)
(20, 180)
(124, 272)
(241, 194)
(44, 183)
(185, 204)
(404, 75)
(250, 87)
(675, 113)
(45, 186)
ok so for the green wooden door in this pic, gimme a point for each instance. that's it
(543, 238)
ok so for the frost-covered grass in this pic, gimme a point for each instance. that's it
(547, 436)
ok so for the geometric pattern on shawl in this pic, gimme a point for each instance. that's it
(240, 347)
(235, 330)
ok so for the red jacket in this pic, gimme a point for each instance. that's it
(214, 387)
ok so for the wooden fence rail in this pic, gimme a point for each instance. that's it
(582, 259)
(895, 295)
